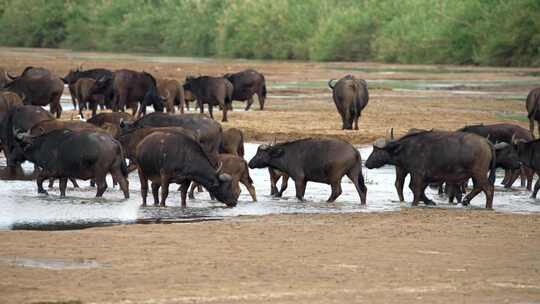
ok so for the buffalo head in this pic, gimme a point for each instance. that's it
(506, 156)
(265, 154)
(223, 189)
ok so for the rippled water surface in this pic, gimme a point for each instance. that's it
(22, 207)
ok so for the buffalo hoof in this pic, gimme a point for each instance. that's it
(191, 196)
(143, 205)
(430, 203)
(43, 192)
(465, 203)
(162, 205)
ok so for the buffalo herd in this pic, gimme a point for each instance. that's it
(194, 150)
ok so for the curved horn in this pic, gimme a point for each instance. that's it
(513, 140)
(330, 84)
(23, 97)
(500, 145)
(220, 167)
(392, 134)
(380, 143)
(11, 77)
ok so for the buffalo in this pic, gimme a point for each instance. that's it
(64, 154)
(165, 157)
(173, 93)
(105, 95)
(316, 160)
(233, 142)
(527, 152)
(85, 94)
(131, 88)
(435, 156)
(351, 97)
(504, 132)
(246, 84)
(209, 131)
(533, 109)
(214, 91)
(39, 88)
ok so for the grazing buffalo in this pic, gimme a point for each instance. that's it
(105, 95)
(533, 109)
(39, 88)
(316, 160)
(233, 142)
(173, 92)
(434, 156)
(238, 169)
(165, 157)
(84, 155)
(131, 88)
(210, 132)
(214, 91)
(502, 132)
(246, 84)
(351, 97)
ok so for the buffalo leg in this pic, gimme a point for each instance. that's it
(192, 190)
(261, 98)
(155, 193)
(101, 184)
(400, 181)
(248, 183)
(201, 106)
(356, 122)
(63, 186)
(531, 126)
(119, 177)
(476, 189)
(529, 173)
(211, 111)
(144, 186)
(183, 191)
(249, 102)
(336, 191)
(51, 183)
(357, 178)
(418, 186)
(300, 185)
(164, 188)
(536, 187)
(40, 179)
(74, 182)
(225, 109)
(274, 177)
(284, 184)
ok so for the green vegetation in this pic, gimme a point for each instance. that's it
(483, 32)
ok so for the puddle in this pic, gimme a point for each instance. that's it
(23, 208)
(54, 264)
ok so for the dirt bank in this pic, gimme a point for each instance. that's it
(427, 255)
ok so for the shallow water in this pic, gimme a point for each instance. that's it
(23, 208)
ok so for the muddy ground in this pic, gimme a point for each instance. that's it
(415, 255)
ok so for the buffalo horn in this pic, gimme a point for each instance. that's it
(380, 143)
(392, 134)
(330, 84)
(500, 145)
(220, 167)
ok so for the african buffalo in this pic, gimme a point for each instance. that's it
(214, 91)
(246, 84)
(173, 91)
(165, 157)
(317, 160)
(39, 88)
(528, 153)
(351, 97)
(64, 154)
(84, 92)
(210, 132)
(233, 142)
(533, 109)
(435, 156)
(503, 132)
(132, 88)
(71, 78)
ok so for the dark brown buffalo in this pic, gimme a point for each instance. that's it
(132, 138)
(84, 155)
(166, 157)
(237, 168)
(173, 91)
(317, 160)
(3, 77)
(246, 84)
(233, 142)
(529, 155)
(351, 97)
(498, 133)
(9, 100)
(84, 92)
(110, 121)
(39, 88)
(214, 91)
(434, 156)
(132, 88)
(210, 132)
(20, 119)
(533, 109)
(105, 95)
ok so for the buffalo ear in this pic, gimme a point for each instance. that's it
(277, 152)
(393, 147)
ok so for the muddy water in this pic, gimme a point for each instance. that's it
(23, 208)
